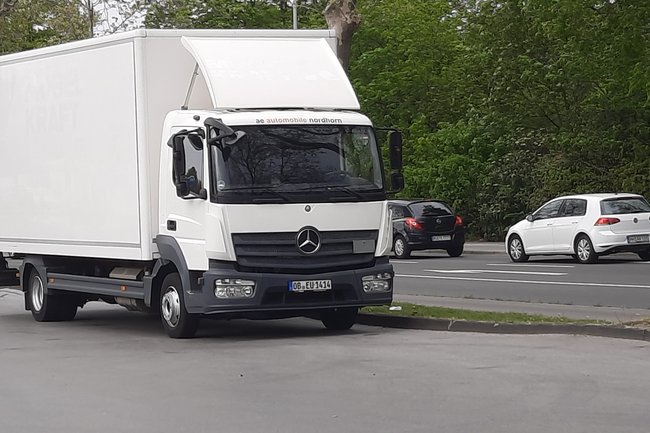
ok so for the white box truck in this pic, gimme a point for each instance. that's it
(223, 173)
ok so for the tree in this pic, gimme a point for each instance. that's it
(342, 16)
(111, 16)
(33, 24)
(233, 14)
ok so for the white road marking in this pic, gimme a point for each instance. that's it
(530, 265)
(403, 261)
(496, 280)
(485, 271)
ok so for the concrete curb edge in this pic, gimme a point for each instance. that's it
(421, 323)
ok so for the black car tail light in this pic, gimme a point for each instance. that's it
(459, 221)
(412, 224)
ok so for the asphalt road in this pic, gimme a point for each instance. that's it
(619, 281)
(115, 371)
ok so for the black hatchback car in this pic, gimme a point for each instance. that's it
(424, 225)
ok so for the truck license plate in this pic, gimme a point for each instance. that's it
(310, 285)
(441, 238)
(638, 239)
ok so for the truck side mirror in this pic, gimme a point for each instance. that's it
(195, 141)
(178, 165)
(395, 150)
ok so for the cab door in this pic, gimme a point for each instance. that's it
(183, 194)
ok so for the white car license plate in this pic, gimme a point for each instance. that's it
(638, 239)
(310, 285)
(441, 238)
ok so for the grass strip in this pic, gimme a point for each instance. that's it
(414, 310)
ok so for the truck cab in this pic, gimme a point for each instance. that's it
(277, 213)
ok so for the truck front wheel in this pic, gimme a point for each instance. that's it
(46, 307)
(339, 319)
(178, 323)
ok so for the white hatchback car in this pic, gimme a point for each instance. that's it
(584, 226)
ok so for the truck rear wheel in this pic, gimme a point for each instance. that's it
(178, 323)
(339, 319)
(46, 307)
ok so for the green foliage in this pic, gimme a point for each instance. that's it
(39, 23)
(512, 103)
(504, 105)
(233, 14)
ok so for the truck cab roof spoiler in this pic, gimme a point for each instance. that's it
(272, 73)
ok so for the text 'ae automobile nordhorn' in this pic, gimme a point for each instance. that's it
(584, 226)
(174, 171)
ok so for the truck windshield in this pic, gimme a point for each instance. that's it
(283, 163)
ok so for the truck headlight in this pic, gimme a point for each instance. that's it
(377, 282)
(229, 288)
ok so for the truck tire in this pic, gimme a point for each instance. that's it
(178, 323)
(339, 319)
(47, 307)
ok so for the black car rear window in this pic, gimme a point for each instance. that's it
(617, 206)
(430, 208)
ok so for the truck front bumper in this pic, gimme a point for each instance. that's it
(272, 292)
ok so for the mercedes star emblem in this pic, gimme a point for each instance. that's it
(308, 240)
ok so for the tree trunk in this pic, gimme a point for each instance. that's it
(341, 15)
(90, 11)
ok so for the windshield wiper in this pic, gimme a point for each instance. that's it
(345, 189)
(259, 189)
(342, 188)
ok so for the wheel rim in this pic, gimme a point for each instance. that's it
(37, 293)
(171, 306)
(399, 247)
(584, 249)
(516, 249)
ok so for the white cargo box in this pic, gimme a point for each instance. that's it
(81, 126)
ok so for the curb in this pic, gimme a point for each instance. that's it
(450, 325)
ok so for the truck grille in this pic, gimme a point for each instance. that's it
(278, 252)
